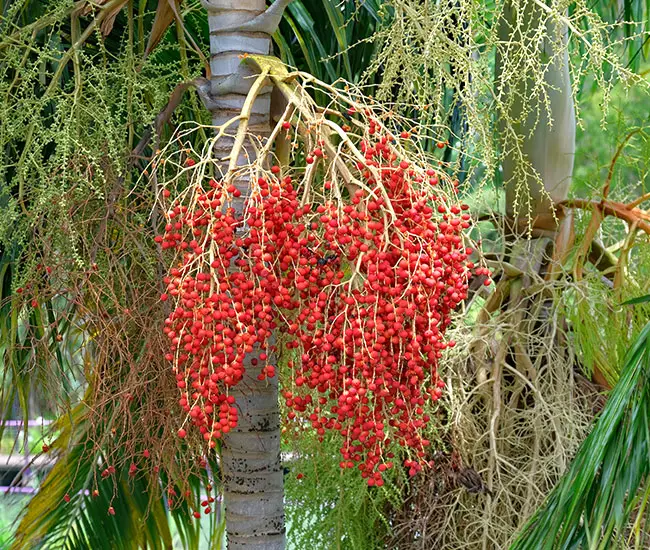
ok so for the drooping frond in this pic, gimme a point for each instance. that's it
(601, 501)
(75, 508)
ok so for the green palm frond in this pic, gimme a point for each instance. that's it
(635, 20)
(638, 300)
(141, 518)
(330, 40)
(14, 386)
(601, 501)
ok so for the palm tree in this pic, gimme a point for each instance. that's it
(250, 467)
(600, 501)
(249, 470)
(515, 406)
(251, 473)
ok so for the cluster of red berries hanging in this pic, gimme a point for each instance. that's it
(360, 280)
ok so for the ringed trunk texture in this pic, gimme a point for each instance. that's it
(250, 457)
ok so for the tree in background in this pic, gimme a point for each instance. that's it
(520, 404)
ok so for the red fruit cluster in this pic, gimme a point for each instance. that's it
(371, 286)
(222, 314)
(362, 291)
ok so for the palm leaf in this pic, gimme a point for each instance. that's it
(331, 40)
(638, 300)
(140, 519)
(165, 14)
(606, 487)
(303, 26)
(337, 22)
(44, 341)
(633, 16)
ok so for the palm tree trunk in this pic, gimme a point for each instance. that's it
(539, 117)
(543, 122)
(250, 456)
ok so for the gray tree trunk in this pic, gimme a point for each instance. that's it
(541, 118)
(250, 459)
